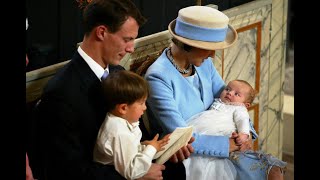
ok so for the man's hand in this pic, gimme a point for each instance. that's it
(27, 60)
(29, 175)
(183, 153)
(154, 173)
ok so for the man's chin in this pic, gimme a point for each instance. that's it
(115, 63)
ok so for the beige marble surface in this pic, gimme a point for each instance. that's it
(259, 57)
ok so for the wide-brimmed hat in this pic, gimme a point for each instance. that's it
(203, 27)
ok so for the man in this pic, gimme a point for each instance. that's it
(72, 106)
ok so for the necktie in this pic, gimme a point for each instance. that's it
(105, 74)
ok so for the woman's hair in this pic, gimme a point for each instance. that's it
(124, 87)
(252, 92)
(111, 13)
(181, 45)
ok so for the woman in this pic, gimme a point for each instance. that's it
(184, 82)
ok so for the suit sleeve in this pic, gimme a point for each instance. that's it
(62, 142)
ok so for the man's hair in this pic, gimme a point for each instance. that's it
(111, 13)
(124, 87)
(252, 92)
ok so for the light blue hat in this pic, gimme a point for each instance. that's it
(203, 27)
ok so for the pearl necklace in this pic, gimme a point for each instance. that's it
(182, 71)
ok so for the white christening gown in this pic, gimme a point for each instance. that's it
(218, 120)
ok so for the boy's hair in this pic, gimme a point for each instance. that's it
(252, 93)
(111, 13)
(124, 87)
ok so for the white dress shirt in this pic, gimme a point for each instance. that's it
(94, 66)
(118, 143)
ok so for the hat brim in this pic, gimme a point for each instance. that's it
(231, 38)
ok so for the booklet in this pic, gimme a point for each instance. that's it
(178, 138)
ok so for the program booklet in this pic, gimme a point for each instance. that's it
(178, 138)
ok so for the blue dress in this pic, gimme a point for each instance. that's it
(173, 99)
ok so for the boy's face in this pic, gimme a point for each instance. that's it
(235, 91)
(134, 111)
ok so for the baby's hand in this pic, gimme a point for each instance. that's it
(242, 138)
(158, 144)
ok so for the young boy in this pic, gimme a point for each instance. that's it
(118, 140)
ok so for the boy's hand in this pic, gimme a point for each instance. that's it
(154, 172)
(158, 144)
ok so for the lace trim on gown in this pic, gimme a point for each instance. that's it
(230, 103)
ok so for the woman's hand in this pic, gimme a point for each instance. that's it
(247, 145)
(232, 142)
(184, 152)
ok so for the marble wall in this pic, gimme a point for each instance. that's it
(259, 57)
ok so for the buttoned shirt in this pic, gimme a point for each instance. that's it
(118, 144)
(94, 66)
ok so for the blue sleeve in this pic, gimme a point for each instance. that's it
(217, 146)
(169, 103)
(253, 131)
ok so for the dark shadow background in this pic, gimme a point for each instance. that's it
(55, 26)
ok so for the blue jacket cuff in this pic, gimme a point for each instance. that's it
(216, 146)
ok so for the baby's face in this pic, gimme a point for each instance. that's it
(235, 91)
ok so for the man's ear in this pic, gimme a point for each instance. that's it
(247, 105)
(101, 31)
(122, 108)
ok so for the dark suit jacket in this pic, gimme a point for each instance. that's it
(68, 119)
